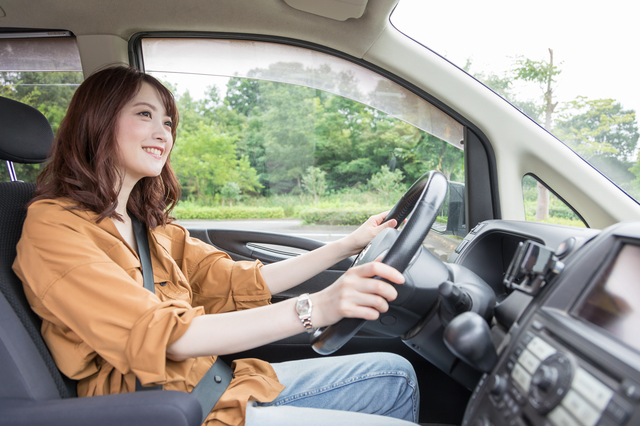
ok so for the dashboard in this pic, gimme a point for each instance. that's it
(568, 354)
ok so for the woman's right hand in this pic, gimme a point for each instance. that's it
(356, 294)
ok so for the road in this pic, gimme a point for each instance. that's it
(440, 245)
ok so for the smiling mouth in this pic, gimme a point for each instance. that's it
(153, 151)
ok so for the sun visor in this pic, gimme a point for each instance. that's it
(340, 10)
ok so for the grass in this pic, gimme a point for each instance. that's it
(349, 207)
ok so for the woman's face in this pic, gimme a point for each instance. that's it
(143, 135)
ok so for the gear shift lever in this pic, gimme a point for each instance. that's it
(469, 338)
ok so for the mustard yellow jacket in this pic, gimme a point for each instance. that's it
(104, 328)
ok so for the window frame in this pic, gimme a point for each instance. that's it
(555, 194)
(480, 174)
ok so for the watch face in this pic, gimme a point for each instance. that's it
(302, 306)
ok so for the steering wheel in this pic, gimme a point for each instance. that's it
(424, 199)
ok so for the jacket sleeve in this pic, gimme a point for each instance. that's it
(219, 284)
(92, 302)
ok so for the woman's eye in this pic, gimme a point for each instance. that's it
(145, 113)
(168, 124)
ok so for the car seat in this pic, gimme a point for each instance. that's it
(32, 390)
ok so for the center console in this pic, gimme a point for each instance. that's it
(573, 356)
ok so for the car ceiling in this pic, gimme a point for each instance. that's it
(123, 18)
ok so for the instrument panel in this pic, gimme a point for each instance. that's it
(572, 358)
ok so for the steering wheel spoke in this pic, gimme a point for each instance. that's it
(421, 202)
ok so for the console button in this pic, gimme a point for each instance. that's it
(550, 383)
(499, 403)
(517, 396)
(560, 417)
(592, 389)
(522, 378)
(537, 325)
(581, 409)
(619, 409)
(546, 378)
(527, 338)
(540, 348)
(498, 385)
(631, 390)
(529, 361)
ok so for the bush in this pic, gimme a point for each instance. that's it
(336, 216)
(231, 192)
(315, 182)
(190, 211)
(386, 181)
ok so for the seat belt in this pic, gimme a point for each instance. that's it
(144, 253)
(215, 381)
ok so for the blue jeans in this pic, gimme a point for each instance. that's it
(351, 390)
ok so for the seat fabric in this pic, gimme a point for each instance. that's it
(32, 390)
(13, 199)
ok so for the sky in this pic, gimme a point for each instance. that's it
(594, 44)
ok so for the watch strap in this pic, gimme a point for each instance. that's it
(305, 314)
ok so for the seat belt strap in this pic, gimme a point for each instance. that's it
(147, 274)
(212, 385)
(215, 381)
(144, 253)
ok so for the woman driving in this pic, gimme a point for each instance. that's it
(83, 269)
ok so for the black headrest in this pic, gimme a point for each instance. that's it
(25, 134)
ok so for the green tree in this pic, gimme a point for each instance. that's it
(503, 86)
(231, 192)
(251, 145)
(315, 182)
(388, 183)
(543, 73)
(599, 128)
(243, 95)
(205, 160)
(290, 128)
(431, 153)
(603, 133)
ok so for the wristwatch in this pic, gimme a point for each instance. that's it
(304, 308)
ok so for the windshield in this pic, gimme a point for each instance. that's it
(568, 66)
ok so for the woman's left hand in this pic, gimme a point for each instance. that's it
(359, 238)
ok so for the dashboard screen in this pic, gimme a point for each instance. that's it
(614, 303)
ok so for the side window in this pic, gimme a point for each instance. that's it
(274, 131)
(542, 205)
(42, 70)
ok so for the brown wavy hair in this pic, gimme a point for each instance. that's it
(83, 159)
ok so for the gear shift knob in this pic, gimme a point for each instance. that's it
(469, 338)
